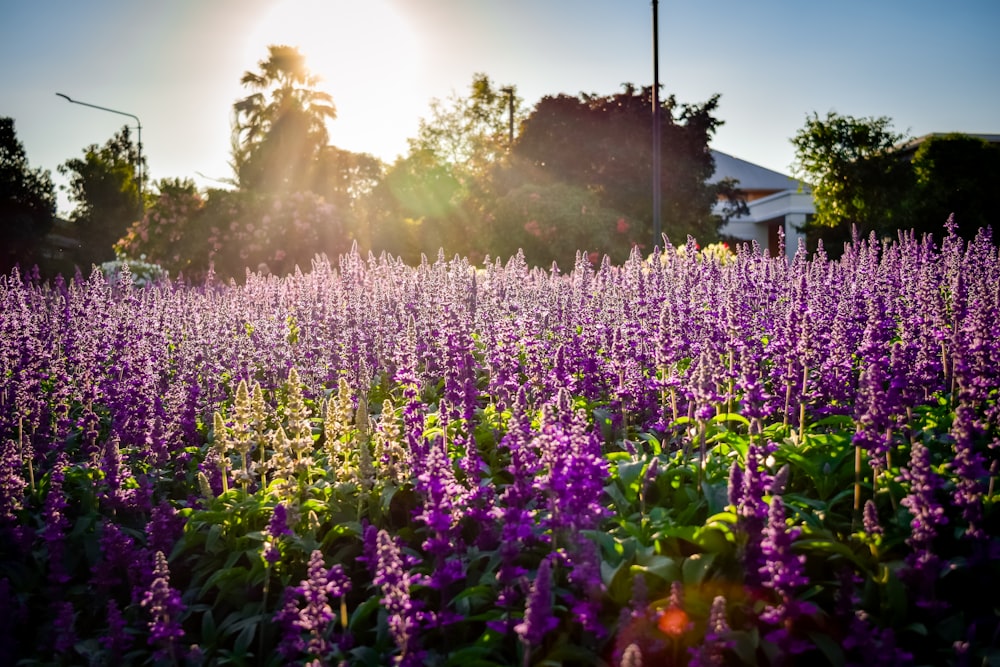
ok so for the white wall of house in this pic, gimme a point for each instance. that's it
(789, 208)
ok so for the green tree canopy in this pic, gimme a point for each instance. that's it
(603, 143)
(857, 179)
(347, 181)
(954, 174)
(280, 128)
(472, 133)
(552, 223)
(27, 203)
(435, 196)
(190, 233)
(104, 185)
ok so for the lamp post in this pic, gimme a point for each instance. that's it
(657, 147)
(138, 125)
(510, 100)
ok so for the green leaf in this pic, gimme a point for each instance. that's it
(473, 656)
(664, 567)
(208, 628)
(695, 567)
(245, 639)
(730, 417)
(362, 612)
(831, 649)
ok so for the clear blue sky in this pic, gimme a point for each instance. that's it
(929, 65)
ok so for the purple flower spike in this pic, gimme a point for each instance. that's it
(712, 651)
(784, 573)
(164, 606)
(538, 618)
(928, 515)
(405, 617)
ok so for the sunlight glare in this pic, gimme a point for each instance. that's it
(367, 57)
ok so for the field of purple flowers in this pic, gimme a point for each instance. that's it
(688, 459)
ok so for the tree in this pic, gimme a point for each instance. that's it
(552, 223)
(27, 203)
(347, 180)
(280, 128)
(954, 174)
(471, 133)
(603, 144)
(420, 208)
(104, 185)
(856, 177)
(435, 196)
(230, 231)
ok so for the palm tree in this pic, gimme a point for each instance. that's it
(280, 128)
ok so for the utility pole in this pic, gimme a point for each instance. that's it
(657, 130)
(510, 105)
(138, 127)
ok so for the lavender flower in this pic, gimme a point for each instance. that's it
(315, 619)
(12, 485)
(405, 616)
(751, 510)
(62, 626)
(538, 619)
(712, 651)
(164, 606)
(970, 472)
(784, 573)
(277, 527)
(928, 515)
(116, 640)
(117, 556)
(870, 518)
(56, 523)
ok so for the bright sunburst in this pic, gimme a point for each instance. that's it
(367, 57)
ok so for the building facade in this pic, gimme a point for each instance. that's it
(776, 204)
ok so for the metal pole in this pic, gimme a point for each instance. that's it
(657, 141)
(510, 100)
(138, 125)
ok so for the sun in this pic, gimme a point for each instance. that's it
(368, 58)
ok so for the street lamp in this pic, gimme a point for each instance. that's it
(510, 98)
(657, 141)
(138, 124)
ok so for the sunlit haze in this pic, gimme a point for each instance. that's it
(930, 66)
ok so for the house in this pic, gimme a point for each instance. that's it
(908, 149)
(775, 202)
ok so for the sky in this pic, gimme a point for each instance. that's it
(928, 65)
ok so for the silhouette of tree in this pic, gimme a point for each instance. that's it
(435, 196)
(603, 144)
(104, 185)
(280, 128)
(27, 203)
(954, 174)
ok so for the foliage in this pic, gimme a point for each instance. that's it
(27, 203)
(471, 133)
(954, 175)
(552, 223)
(104, 185)
(279, 129)
(603, 144)
(420, 208)
(230, 232)
(855, 176)
(346, 181)
(446, 465)
(436, 196)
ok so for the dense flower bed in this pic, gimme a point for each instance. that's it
(684, 459)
